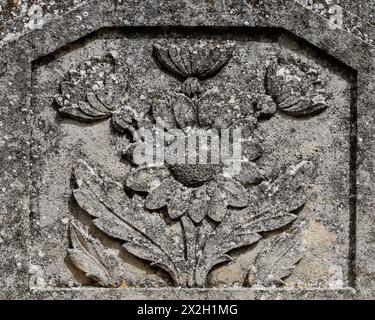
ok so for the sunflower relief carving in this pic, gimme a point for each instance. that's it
(204, 194)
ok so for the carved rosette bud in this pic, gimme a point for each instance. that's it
(193, 63)
(296, 87)
(94, 91)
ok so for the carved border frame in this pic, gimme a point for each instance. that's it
(15, 93)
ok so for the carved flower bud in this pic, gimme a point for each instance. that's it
(191, 87)
(296, 86)
(123, 120)
(265, 107)
(128, 153)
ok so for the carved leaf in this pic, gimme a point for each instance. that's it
(145, 235)
(200, 60)
(162, 111)
(184, 110)
(177, 109)
(92, 91)
(88, 255)
(208, 107)
(278, 259)
(297, 89)
(271, 207)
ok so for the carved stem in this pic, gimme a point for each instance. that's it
(190, 231)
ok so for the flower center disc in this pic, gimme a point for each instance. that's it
(194, 175)
(189, 168)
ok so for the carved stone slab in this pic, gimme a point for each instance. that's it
(222, 150)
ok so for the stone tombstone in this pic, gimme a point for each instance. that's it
(89, 97)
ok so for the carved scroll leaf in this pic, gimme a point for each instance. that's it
(297, 89)
(200, 60)
(278, 259)
(146, 235)
(89, 256)
(270, 207)
(93, 91)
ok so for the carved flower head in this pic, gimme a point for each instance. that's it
(201, 59)
(94, 90)
(177, 110)
(198, 188)
(206, 181)
(195, 187)
(192, 62)
(297, 88)
(193, 106)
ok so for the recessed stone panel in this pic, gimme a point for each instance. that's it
(282, 221)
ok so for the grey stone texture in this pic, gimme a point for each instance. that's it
(82, 217)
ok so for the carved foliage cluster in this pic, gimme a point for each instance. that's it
(216, 214)
(149, 237)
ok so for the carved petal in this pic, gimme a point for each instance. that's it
(162, 112)
(199, 204)
(161, 53)
(219, 56)
(96, 104)
(236, 193)
(217, 207)
(69, 92)
(144, 179)
(265, 107)
(181, 59)
(208, 107)
(77, 113)
(81, 110)
(114, 90)
(160, 195)
(304, 107)
(178, 204)
(184, 110)
(92, 112)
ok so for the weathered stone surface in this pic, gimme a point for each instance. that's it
(89, 87)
